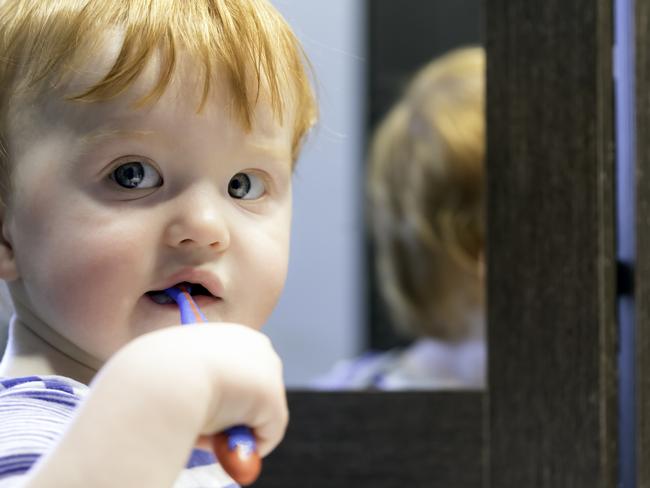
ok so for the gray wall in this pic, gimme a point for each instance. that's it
(320, 316)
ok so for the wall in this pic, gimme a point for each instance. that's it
(320, 317)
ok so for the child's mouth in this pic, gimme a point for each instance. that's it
(195, 289)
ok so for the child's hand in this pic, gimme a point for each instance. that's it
(241, 370)
(246, 376)
(157, 395)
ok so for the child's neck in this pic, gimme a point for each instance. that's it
(29, 353)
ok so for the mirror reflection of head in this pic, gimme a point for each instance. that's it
(426, 200)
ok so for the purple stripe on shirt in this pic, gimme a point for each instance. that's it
(47, 396)
(19, 381)
(17, 463)
(54, 384)
(200, 457)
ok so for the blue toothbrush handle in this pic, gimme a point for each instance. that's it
(235, 447)
(190, 311)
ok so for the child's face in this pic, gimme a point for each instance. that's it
(111, 203)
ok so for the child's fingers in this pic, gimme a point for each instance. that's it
(204, 442)
(269, 434)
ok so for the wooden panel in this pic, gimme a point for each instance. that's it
(379, 440)
(551, 250)
(642, 281)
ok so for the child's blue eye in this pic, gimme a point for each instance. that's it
(246, 186)
(136, 175)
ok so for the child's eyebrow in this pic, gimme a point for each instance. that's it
(101, 135)
(275, 151)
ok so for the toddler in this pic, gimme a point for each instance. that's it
(143, 144)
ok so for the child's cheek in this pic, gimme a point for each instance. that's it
(82, 284)
(267, 272)
(105, 289)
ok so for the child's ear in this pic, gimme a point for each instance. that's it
(8, 268)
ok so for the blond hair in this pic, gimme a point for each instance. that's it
(43, 41)
(426, 198)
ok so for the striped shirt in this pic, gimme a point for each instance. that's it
(35, 410)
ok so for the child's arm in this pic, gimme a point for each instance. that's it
(149, 404)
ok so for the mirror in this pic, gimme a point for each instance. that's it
(333, 308)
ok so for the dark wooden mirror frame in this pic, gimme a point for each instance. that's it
(642, 275)
(549, 416)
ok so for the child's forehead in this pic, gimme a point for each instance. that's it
(168, 124)
(178, 105)
(185, 84)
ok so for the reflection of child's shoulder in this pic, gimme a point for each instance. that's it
(425, 364)
(34, 412)
(361, 372)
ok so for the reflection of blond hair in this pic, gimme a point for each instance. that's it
(42, 41)
(426, 198)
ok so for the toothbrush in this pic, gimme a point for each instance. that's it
(235, 447)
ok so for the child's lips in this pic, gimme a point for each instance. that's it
(208, 280)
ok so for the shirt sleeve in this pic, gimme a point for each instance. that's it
(34, 412)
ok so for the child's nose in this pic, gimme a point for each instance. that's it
(198, 221)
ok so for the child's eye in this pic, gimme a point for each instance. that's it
(136, 175)
(246, 186)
